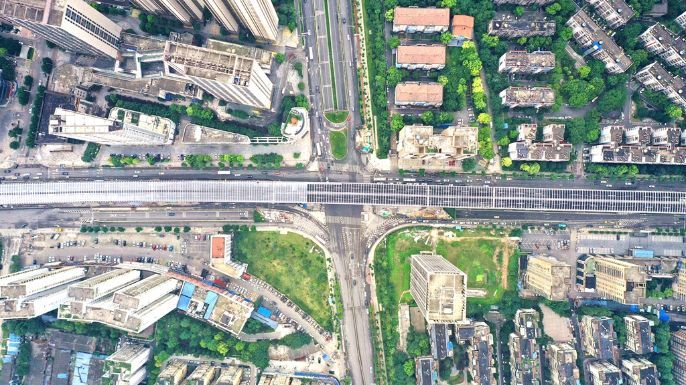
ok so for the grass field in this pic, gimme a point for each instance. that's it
(336, 116)
(339, 143)
(481, 259)
(292, 264)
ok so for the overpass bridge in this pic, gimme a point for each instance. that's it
(120, 192)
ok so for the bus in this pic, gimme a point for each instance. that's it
(319, 150)
(311, 55)
(224, 172)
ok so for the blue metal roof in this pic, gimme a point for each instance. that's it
(183, 303)
(188, 289)
(264, 311)
(211, 301)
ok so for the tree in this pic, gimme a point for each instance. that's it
(23, 96)
(14, 144)
(177, 230)
(28, 81)
(483, 118)
(469, 164)
(584, 71)
(518, 11)
(301, 86)
(506, 161)
(427, 117)
(279, 57)
(531, 168)
(408, 368)
(443, 80)
(46, 66)
(553, 9)
(490, 41)
(158, 228)
(394, 42)
(3, 51)
(612, 100)
(389, 15)
(448, 3)
(186, 229)
(394, 76)
(139, 229)
(504, 141)
(397, 122)
(674, 112)
(167, 228)
(446, 37)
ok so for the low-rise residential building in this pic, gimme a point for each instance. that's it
(173, 373)
(639, 338)
(522, 2)
(639, 144)
(677, 345)
(126, 366)
(551, 149)
(420, 57)
(598, 338)
(423, 20)
(620, 281)
(523, 62)
(639, 371)
(659, 40)
(463, 29)
(548, 277)
(598, 43)
(681, 20)
(439, 338)
(122, 128)
(562, 362)
(481, 365)
(616, 13)
(202, 375)
(420, 148)
(657, 78)
(604, 373)
(419, 94)
(439, 288)
(529, 24)
(426, 370)
(525, 358)
(536, 97)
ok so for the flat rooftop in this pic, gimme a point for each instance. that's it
(210, 64)
(524, 95)
(419, 92)
(530, 22)
(149, 123)
(529, 59)
(421, 54)
(263, 57)
(422, 16)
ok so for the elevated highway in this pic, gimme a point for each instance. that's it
(380, 194)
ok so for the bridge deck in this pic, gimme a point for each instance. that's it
(382, 194)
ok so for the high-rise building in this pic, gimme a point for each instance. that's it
(562, 363)
(639, 371)
(619, 280)
(122, 128)
(439, 288)
(677, 346)
(71, 24)
(548, 277)
(604, 373)
(258, 16)
(639, 338)
(126, 366)
(598, 43)
(679, 285)
(185, 11)
(31, 284)
(85, 292)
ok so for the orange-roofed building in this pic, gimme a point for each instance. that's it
(463, 29)
(422, 57)
(421, 20)
(218, 247)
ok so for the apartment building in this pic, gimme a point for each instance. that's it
(439, 288)
(657, 78)
(619, 280)
(418, 94)
(677, 346)
(604, 373)
(173, 373)
(529, 24)
(421, 20)
(536, 97)
(681, 20)
(463, 29)
(659, 40)
(71, 24)
(598, 43)
(548, 277)
(17, 286)
(420, 148)
(615, 13)
(481, 365)
(99, 286)
(525, 357)
(420, 57)
(551, 149)
(122, 128)
(426, 370)
(639, 338)
(126, 366)
(562, 363)
(439, 339)
(528, 63)
(599, 339)
(640, 144)
(186, 11)
(639, 371)
(679, 285)
(257, 16)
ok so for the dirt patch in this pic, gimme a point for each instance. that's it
(557, 327)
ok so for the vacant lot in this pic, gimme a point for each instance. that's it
(292, 264)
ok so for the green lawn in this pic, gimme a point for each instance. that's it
(339, 143)
(336, 116)
(292, 264)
